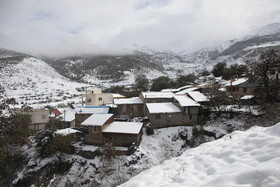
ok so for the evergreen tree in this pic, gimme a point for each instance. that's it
(162, 82)
(184, 80)
(218, 69)
(13, 134)
(142, 83)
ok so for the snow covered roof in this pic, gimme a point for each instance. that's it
(68, 115)
(66, 131)
(187, 90)
(184, 100)
(133, 100)
(96, 119)
(248, 158)
(236, 82)
(118, 96)
(157, 94)
(124, 127)
(170, 90)
(155, 108)
(92, 110)
(245, 97)
(197, 96)
(177, 89)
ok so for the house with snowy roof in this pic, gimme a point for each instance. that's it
(181, 111)
(102, 129)
(95, 124)
(198, 97)
(129, 107)
(156, 97)
(240, 87)
(174, 90)
(123, 134)
(67, 117)
(82, 113)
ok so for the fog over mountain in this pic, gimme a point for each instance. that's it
(69, 28)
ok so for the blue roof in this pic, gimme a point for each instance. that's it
(93, 107)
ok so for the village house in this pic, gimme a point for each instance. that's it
(182, 111)
(156, 97)
(103, 130)
(198, 97)
(188, 107)
(164, 114)
(97, 98)
(174, 90)
(82, 113)
(123, 133)
(39, 117)
(240, 87)
(95, 125)
(118, 96)
(186, 90)
(129, 107)
(67, 117)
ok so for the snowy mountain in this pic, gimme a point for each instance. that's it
(108, 70)
(105, 71)
(236, 51)
(32, 81)
(113, 70)
(249, 158)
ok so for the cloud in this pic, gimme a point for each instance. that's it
(69, 27)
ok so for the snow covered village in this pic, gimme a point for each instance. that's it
(115, 97)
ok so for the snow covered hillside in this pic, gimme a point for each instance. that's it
(236, 51)
(98, 170)
(250, 158)
(32, 81)
(120, 70)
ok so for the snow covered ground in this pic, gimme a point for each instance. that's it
(154, 149)
(249, 158)
(34, 82)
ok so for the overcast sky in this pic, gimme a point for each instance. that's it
(70, 27)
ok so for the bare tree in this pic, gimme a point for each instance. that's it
(260, 70)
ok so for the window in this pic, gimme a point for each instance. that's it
(157, 116)
(244, 90)
(187, 110)
(233, 89)
(88, 100)
(237, 89)
(43, 116)
(190, 117)
(100, 98)
(124, 108)
(94, 129)
(41, 126)
(135, 108)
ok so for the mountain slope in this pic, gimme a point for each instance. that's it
(112, 70)
(249, 158)
(236, 51)
(107, 70)
(31, 80)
